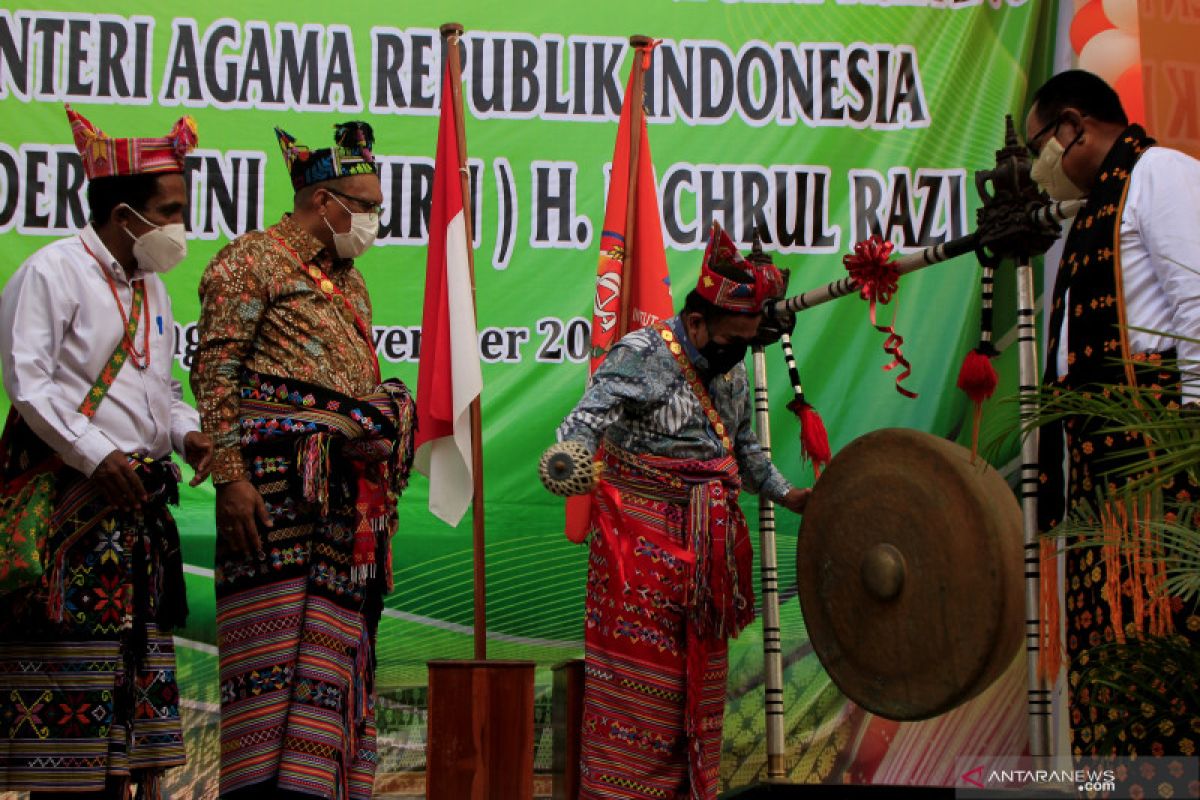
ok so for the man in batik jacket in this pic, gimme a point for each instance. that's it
(669, 576)
(312, 451)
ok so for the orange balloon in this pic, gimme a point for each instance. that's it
(1088, 21)
(1129, 87)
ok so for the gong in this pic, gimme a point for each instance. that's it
(910, 573)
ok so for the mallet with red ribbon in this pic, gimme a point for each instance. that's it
(873, 274)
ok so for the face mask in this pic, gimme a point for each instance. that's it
(160, 248)
(722, 357)
(1048, 173)
(364, 226)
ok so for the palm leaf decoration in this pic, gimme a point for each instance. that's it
(1141, 682)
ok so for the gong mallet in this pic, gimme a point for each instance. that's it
(567, 468)
(814, 441)
(1043, 215)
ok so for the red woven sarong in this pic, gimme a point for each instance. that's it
(669, 581)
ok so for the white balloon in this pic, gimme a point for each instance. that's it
(1109, 53)
(1122, 13)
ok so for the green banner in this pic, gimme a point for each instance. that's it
(819, 122)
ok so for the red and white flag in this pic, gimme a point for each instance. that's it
(449, 377)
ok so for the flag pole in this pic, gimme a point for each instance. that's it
(451, 33)
(637, 91)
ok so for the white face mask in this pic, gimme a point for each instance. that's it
(1048, 173)
(161, 248)
(364, 227)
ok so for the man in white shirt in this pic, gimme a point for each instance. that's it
(1126, 300)
(87, 690)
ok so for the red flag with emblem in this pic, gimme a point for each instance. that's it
(632, 258)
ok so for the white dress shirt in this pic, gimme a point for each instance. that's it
(59, 325)
(1160, 260)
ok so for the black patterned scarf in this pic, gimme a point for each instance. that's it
(1097, 339)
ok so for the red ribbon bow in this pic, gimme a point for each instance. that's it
(877, 280)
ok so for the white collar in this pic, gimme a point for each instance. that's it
(92, 241)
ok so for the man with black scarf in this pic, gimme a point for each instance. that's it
(1127, 286)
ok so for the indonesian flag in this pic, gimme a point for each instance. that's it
(637, 264)
(449, 378)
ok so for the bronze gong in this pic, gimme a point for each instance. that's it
(909, 567)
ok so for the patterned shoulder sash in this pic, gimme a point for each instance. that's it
(697, 386)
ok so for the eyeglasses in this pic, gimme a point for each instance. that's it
(367, 205)
(1053, 125)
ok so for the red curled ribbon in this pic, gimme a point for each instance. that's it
(877, 280)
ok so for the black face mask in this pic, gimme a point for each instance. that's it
(722, 357)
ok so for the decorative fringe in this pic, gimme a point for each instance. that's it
(1131, 547)
(149, 785)
(354, 135)
(357, 704)
(1050, 646)
(184, 136)
(372, 523)
(702, 602)
(814, 440)
(977, 379)
(313, 458)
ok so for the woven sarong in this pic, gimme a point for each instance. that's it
(296, 630)
(669, 580)
(1115, 592)
(87, 666)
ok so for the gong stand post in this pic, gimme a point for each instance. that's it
(1040, 740)
(772, 641)
(1013, 226)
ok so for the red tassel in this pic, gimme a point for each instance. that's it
(814, 441)
(977, 378)
(371, 523)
